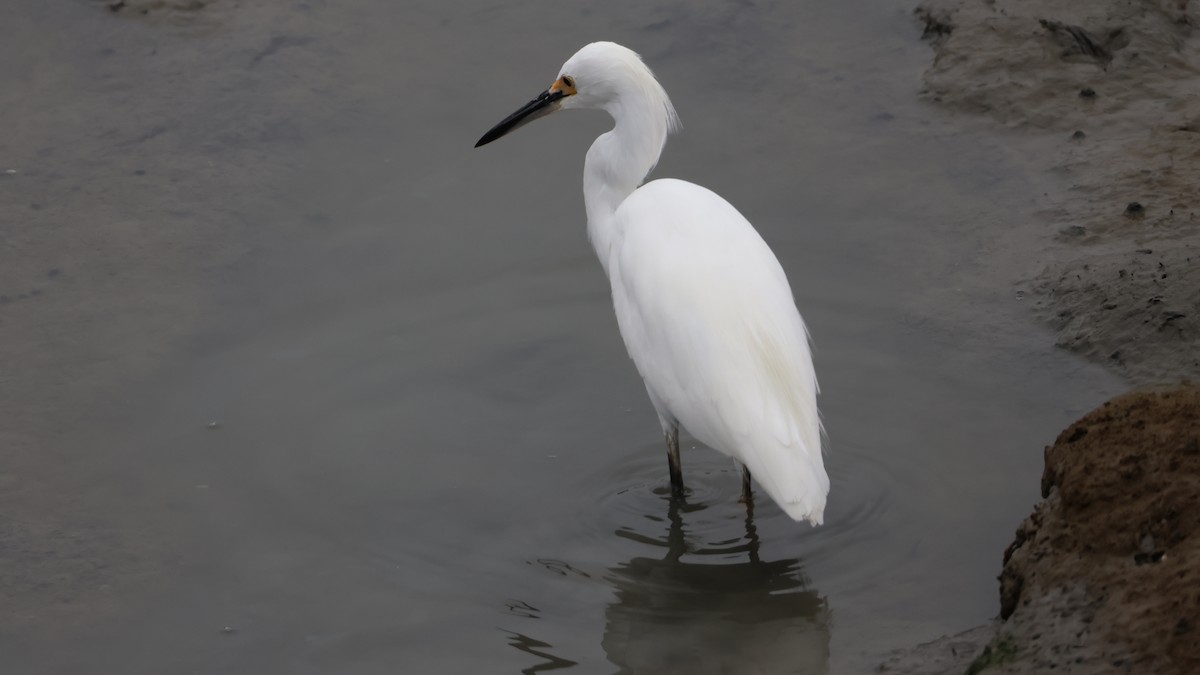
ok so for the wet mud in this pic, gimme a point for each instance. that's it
(1100, 100)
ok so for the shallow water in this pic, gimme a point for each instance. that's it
(431, 452)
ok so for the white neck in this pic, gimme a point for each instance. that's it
(617, 163)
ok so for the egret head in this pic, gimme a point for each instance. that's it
(602, 75)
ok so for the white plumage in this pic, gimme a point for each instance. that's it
(704, 307)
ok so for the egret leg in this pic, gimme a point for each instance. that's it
(747, 494)
(752, 543)
(673, 462)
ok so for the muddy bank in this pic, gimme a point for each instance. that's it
(1101, 100)
(1104, 576)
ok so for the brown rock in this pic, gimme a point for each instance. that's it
(1116, 543)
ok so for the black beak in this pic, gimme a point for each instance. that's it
(544, 104)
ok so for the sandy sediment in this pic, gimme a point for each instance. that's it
(1102, 101)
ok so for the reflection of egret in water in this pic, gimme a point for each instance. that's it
(539, 649)
(751, 616)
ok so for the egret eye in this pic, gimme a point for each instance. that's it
(569, 81)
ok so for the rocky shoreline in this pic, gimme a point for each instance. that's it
(1101, 100)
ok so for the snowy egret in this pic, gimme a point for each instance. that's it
(702, 303)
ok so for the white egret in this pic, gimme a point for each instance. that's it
(702, 303)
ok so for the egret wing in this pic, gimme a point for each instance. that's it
(708, 318)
